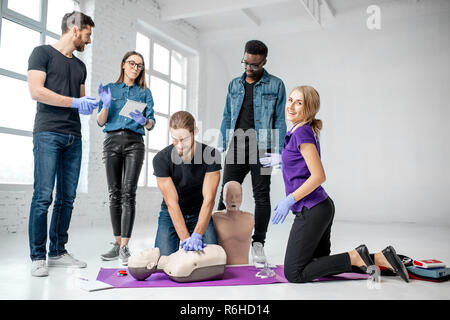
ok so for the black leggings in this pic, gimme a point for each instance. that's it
(308, 249)
(123, 155)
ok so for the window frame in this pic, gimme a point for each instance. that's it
(150, 71)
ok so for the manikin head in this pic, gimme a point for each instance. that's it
(232, 194)
(143, 264)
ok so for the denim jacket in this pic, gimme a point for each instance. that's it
(120, 92)
(269, 99)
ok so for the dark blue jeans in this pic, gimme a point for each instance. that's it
(167, 238)
(57, 156)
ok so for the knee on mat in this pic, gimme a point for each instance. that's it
(294, 275)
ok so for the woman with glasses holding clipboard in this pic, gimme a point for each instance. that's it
(123, 147)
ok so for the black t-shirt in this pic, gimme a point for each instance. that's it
(63, 76)
(246, 118)
(187, 177)
(245, 121)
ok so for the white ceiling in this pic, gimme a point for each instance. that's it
(249, 17)
(214, 15)
(219, 20)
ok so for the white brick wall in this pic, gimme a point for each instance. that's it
(114, 34)
(13, 211)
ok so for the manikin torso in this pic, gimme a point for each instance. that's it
(233, 226)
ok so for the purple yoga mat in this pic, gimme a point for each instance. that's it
(233, 276)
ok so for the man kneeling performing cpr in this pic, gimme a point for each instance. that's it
(188, 174)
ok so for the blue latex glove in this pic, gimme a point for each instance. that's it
(282, 209)
(85, 105)
(271, 160)
(105, 96)
(138, 117)
(193, 243)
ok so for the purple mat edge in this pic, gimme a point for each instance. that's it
(279, 278)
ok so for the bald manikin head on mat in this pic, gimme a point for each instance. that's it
(233, 226)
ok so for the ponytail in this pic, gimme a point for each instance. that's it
(316, 125)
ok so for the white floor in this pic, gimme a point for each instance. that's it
(87, 244)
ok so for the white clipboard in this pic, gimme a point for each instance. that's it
(132, 106)
(90, 286)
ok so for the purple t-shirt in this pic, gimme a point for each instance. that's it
(295, 170)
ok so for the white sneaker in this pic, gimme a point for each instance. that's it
(65, 260)
(39, 268)
(258, 253)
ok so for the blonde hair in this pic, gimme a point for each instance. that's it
(182, 120)
(311, 106)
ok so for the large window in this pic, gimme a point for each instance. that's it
(166, 68)
(24, 24)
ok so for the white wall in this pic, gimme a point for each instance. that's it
(384, 100)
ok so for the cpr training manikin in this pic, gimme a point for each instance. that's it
(180, 266)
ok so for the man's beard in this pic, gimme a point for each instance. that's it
(180, 152)
(184, 153)
(79, 45)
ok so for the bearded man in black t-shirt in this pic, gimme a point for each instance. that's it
(56, 79)
(188, 174)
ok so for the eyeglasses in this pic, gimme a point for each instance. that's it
(182, 141)
(253, 67)
(140, 66)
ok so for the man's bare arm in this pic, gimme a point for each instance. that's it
(210, 184)
(36, 80)
(171, 198)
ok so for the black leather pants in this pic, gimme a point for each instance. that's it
(123, 155)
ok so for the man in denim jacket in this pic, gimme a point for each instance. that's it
(252, 132)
